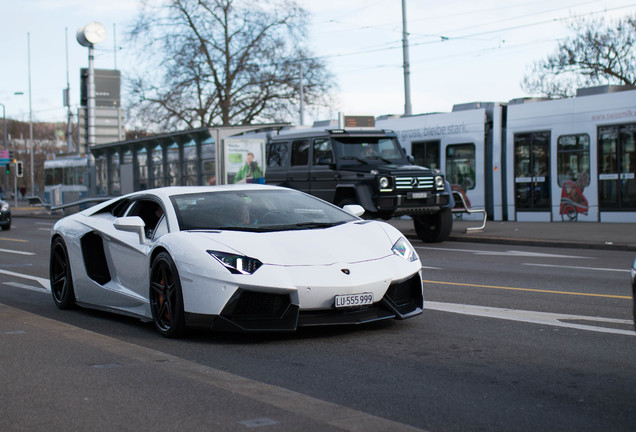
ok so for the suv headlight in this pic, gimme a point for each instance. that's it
(4, 206)
(404, 249)
(236, 264)
(385, 184)
(439, 182)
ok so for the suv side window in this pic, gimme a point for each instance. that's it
(322, 152)
(277, 153)
(300, 153)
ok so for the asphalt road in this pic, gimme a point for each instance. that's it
(513, 338)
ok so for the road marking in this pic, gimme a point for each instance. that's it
(14, 240)
(578, 267)
(27, 287)
(544, 318)
(505, 253)
(44, 282)
(431, 268)
(528, 289)
(16, 252)
(44, 229)
(45, 223)
(323, 414)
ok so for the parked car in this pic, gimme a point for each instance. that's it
(366, 167)
(633, 274)
(236, 258)
(5, 215)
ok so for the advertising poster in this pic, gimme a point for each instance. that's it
(244, 161)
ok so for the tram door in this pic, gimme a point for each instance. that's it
(617, 167)
(426, 154)
(532, 171)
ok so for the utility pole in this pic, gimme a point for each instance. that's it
(302, 97)
(32, 168)
(407, 67)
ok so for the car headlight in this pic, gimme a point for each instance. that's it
(4, 207)
(439, 182)
(404, 249)
(236, 264)
(385, 183)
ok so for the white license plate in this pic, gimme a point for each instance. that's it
(352, 300)
(419, 195)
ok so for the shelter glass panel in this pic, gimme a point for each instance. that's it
(208, 158)
(157, 166)
(114, 186)
(142, 162)
(190, 162)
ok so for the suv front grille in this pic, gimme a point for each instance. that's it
(414, 182)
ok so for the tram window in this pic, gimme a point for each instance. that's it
(426, 153)
(573, 159)
(460, 165)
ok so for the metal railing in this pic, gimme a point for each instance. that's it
(459, 198)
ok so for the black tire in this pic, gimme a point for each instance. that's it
(434, 228)
(166, 297)
(346, 201)
(60, 275)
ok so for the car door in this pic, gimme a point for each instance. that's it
(298, 175)
(323, 177)
(128, 257)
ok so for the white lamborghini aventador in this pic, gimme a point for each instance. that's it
(234, 258)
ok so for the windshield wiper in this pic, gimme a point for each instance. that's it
(380, 158)
(354, 158)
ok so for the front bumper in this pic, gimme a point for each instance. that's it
(5, 218)
(402, 204)
(249, 311)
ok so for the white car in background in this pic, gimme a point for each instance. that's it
(233, 258)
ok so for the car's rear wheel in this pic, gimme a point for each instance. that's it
(60, 275)
(434, 228)
(166, 298)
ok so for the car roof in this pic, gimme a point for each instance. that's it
(164, 193)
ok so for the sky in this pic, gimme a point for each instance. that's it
(460, 51)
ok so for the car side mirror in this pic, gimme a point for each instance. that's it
(325, 160)
(133, 224)
(354, 209)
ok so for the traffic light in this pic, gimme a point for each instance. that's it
(8, 169)
(19, 169)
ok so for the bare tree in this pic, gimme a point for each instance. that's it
(224, 62)
(599, 53)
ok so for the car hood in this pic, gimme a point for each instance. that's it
(413, 170)
(348, 243)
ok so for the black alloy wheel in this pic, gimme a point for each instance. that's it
(60, 275)
(166, 299)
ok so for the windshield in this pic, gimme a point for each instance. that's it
(368, 149)
(256, 210)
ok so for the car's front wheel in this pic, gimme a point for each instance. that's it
(434, 228)
(166, 298)
(60, 275)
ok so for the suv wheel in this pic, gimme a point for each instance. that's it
(434, 228)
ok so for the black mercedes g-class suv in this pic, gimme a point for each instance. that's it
(365, 167)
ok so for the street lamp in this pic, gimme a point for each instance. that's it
(89, 35)
(4, 135)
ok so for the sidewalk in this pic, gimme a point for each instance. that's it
(590, 235)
